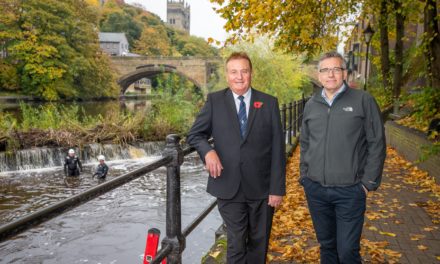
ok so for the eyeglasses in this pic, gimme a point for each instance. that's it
(335, 70)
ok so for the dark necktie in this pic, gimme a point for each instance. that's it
(242, 116)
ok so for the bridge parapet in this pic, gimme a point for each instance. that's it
(196, 69)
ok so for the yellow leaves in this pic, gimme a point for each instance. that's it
(430, 228)
(215, 254)
(373, 228)
(422, 247)
(378, 252)
(387, 234)
(296, 25)
(421, 181)
(416, 237)
(292, 228)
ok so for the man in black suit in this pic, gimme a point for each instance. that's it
(247, 163)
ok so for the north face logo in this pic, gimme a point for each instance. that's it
(348, 109)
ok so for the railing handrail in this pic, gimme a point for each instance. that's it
(22, 224)
(174, 242)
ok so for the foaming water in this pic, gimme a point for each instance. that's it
(108, 229)
(43, 158)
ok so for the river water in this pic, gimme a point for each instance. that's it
(109, 229)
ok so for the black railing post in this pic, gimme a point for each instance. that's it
(295, 118)
(174, 235)
(289, 140)
(301, 111)
(283, 120)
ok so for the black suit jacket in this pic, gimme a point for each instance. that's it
(257, 161)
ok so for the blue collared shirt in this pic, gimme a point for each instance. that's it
(330, 101)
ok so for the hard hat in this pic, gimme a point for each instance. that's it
(71, 151)
(101, 157)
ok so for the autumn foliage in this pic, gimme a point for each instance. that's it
(293, 238)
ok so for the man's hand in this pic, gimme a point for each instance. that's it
(275, 200)
(213, 164)
(365, 189)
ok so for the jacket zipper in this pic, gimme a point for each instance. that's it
(325, 142)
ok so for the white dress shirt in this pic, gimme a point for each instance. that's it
(247, 100)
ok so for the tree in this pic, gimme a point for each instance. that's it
(153, 42)
(274, 72)
(122, 22)
(295, 25)
(400, 33)
(384, 45)
(55, 51)
(432, 42)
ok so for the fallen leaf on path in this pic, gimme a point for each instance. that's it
(415, 237)
(387, 233)
(422, 247)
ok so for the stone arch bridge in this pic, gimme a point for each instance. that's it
(199, 70)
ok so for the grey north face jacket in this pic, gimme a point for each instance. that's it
(343, 144)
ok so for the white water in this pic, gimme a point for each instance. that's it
(109, 229)
(38, 158)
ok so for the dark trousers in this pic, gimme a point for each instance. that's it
(74, 172)
(338, 217)
(248, 225)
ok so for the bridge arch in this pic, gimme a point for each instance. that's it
(150, 70)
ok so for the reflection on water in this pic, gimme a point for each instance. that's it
(109, 229)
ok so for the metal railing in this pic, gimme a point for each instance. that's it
(174, 243)
(291, 118)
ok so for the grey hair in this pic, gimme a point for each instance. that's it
(332, 54)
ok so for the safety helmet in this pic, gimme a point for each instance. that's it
(71, 151)
(101, 157)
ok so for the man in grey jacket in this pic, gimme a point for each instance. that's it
(342, 156)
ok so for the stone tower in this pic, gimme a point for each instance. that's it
(178, 14)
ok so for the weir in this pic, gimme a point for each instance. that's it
(38, 158)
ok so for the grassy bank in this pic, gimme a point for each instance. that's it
(60, 126)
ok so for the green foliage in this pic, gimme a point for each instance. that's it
(170, 114)
(426, 105)
(429, 151)
(58, 125)
(153, 42)
(9, 79)
(122, 22)
(53, 46)
(7, 123)
(384, 98)
(190, 45)
(52, 117)
(294, 25)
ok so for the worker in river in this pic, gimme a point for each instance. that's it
(102, 169)
(72, 164)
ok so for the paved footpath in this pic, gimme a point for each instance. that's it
(402, 220)
(405, 212)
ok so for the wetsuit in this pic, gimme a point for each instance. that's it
(101, 171)
(72, 166)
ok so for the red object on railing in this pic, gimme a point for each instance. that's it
(152, 245)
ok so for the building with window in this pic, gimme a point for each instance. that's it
(114, 44)
(178, 15)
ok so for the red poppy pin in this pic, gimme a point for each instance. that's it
(258, 104)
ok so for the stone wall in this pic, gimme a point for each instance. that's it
(408, 142)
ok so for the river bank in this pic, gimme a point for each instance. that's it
(122, 122)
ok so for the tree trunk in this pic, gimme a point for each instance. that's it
(400, 32)
(384, 45)
(433, 43)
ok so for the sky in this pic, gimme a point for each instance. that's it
(205, 22)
